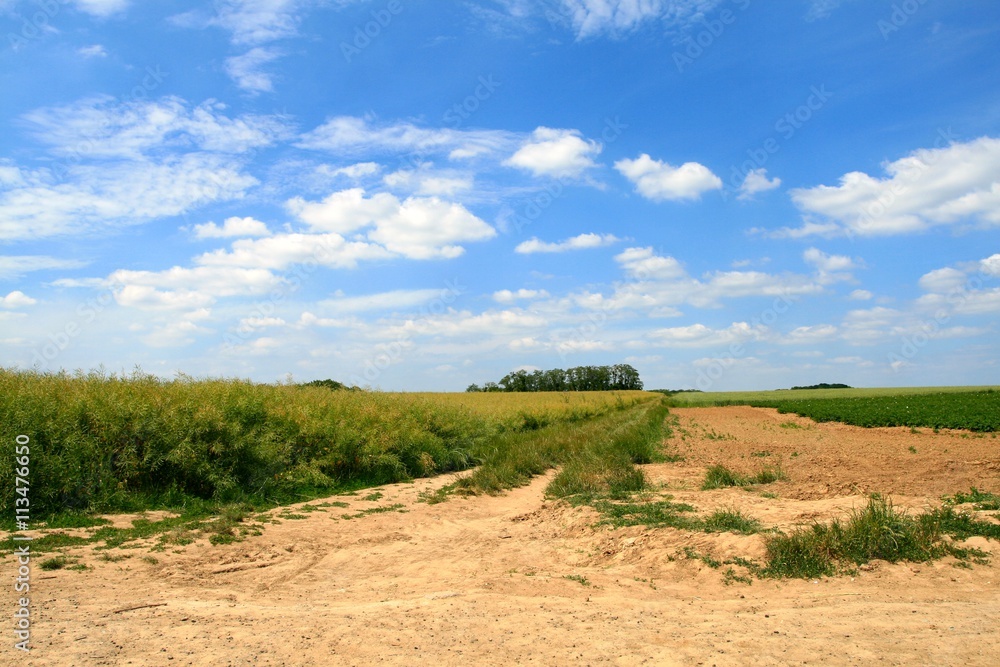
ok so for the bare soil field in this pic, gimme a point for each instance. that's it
(520, 579)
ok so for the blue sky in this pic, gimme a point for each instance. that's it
(417, 194)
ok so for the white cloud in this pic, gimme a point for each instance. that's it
(261, 322)
(956, 184)
(260, 21)
(426, 182)
(645, 264)
(991, 265)
(101, 8)
(809, 228)
(188, 288)
(458, 324)
(555, 152)
(810, 334)
(355, 171)
(104, 127)
(830, 268)
(92, 51)
(578, 242)
(233, 226)
(392, 300)
(507, 296)
(350, 135)
(246, 69)
(417, 227)
(617, 18)
(860, 295)
(128, 193)
(757, 181)
(699, 335)
(14, 266)
(659, 181)
(280, 251)
(16, 299)
(942, 281)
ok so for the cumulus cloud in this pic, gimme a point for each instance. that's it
(659, 181)
(417, 227)
(700, 335)
(579, 242)
(233, 226)
(830, 268)
(951, 185)
(860, 295)
(757, 181)
(16, 299)
(508, 296)
(555, 152)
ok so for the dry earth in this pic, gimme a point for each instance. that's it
(484, 581)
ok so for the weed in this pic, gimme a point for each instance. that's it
(578, 578)
(983, 500)
(152, 560)
(398, 507)
(719, 476)
(913, 450)
(55, 563)
(373, 496)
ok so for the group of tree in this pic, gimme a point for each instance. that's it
(825, 385)
(581, 378)
(332, 385)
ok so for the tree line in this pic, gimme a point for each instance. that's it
(581, 378)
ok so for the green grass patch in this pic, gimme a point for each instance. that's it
(398, 507)
(876, 531)
(982, 500)
(720, 477)
(54, 563)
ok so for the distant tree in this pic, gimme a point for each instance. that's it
(580, 378)
(333, 385)
(473, 388)
(824, 385)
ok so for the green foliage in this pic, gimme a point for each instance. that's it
(104, 443)
(876, 531)
(581, 378)
(824, 385)
(984, 500)
(719, 477)
(975, 411)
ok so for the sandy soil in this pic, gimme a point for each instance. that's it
(484, 581)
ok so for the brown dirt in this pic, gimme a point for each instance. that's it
(483, 581)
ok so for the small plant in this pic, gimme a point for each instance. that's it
(719, 477)
(373, 496)
(152, 560)
(913, 450)
(578, 578)
(983, 500)
(55, 563)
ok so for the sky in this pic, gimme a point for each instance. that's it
(424, 194)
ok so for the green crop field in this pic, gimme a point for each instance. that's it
(103, 443)
(971, 408)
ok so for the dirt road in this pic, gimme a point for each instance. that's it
(519, 579)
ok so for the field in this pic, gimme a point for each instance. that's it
(589, 529)
(972, 408)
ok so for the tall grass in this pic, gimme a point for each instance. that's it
(114, 443)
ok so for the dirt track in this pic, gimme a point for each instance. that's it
(483, 581)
